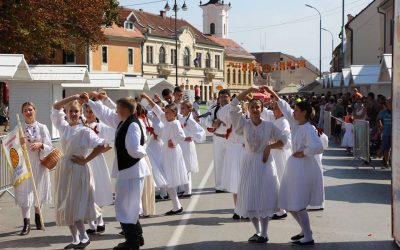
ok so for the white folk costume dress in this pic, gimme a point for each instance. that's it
(154, 146)
(130, 181)
(348, 137)
(103, 195)
(148, 201)
(173, 163)
(196, 132)
(24, 197)
(302, 182)
(259, 185)
(219, 141)
(74, 192)
(233, 155)
(281, 155)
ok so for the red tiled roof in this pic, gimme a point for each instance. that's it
(120, 31)
(162, 26)
(231, 47)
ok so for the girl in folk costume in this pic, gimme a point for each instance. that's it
(74, 201)
(39, 145)
(148, 201)
(233, 157)
(171, 153)
(302, 182)
(281, 155)
(129, 166)
(194, 133)
(103, 195)
(258, 186)
(348, 137)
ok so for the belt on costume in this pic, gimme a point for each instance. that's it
(220, 135)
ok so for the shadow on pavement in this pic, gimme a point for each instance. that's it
(381, 245)
(360, 193)
(206, 221)
(363, 174)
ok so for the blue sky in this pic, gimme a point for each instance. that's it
(269, 25)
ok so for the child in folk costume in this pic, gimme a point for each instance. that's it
(259, 185)
(103, 195)
(129, 166)
(148, 201)
(194, 133)
(171, 153)
(233, 157)
(302, 182)
(74, 203)
(39, 145)
(348, 137)
(281, 155)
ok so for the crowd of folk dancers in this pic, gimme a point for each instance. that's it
(268, 158)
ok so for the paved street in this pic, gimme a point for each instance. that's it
(357, 216)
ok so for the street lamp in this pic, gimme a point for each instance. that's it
(331, 37)
(176, 9)
(320, 39)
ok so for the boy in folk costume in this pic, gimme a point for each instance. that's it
(130, 168)
(220, 131)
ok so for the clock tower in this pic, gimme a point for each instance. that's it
(215, 18)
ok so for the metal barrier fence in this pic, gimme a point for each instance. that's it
(361, 141)
(327, 123)
(5, 174)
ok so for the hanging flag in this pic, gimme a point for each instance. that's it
(13, 152)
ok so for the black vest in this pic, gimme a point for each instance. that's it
(124, 160)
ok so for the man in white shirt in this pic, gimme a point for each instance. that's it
(129, 166)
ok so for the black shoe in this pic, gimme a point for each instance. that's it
(219, 191)
(253, 238)
(236, 216)
(82, 245)
(297, 237)
(179, 211)
(122, 233)
(140, 233)
(27, 227)
(91, 231)
(299, 243)
(71, 246)
(244, 218)
(101, 229)
(262, 239)
(278, 217)
(186, 196)
(38, 223)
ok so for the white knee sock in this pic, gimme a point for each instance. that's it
(82, 232)
(187, 188)
(264, 227)
(296, 217)
(174, 198)
(100, 221)
(305, 223)
(26, 212)
(92, 225)
(257, 225)
(74, 234)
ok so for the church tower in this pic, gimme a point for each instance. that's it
(215, 18)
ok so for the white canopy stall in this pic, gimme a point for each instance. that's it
(365, 77)
(385, 76)
(346, 76)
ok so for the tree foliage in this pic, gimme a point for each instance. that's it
(39, 28)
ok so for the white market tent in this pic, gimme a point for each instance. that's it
(14, 67)
(336, 79)
(346, 77)
(385, 75)
(366, 78)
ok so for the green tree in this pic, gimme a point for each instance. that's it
(39, 28)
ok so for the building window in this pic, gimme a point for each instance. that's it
(149, 54)
(69, 57)
(186, 57)
(173, 56)
(239, 76)
(224, 29)
(197, 60)
(208, 60)
(228, 76)
(234, 76)
(130, 56)
(161, 55)
(244, 77)
(250, 77)
(212, 28)
(104, 55)
(128, 25)
(217, 62)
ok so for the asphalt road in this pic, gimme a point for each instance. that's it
(357, 216)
